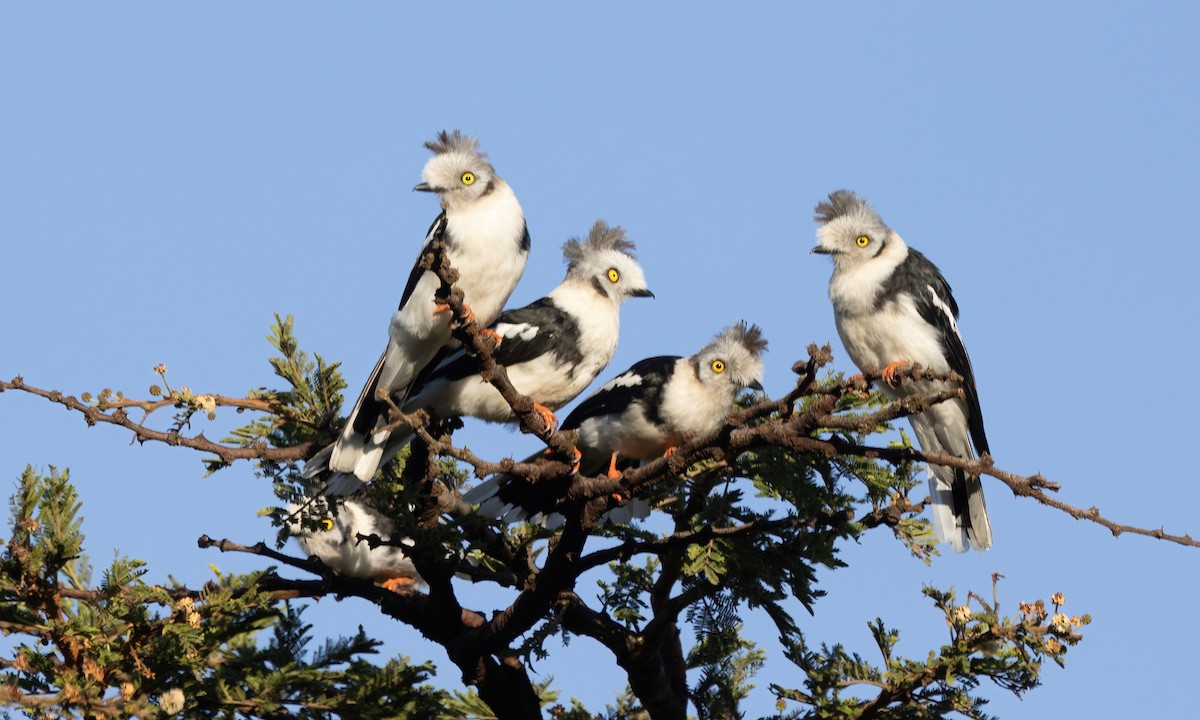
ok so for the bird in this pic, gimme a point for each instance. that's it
(552, 349)
(335, 542)
(892, 308)
(485, 238)
(642, 414)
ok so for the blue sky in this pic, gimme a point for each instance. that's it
(171, 175)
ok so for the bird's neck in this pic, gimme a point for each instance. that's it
(495, 214)
(598, 314)
(855, 289)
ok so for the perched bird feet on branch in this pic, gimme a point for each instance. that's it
(400, 583)
(548, 416)
(496, 337)
(889, 373)
(443, 307)
(577, 454)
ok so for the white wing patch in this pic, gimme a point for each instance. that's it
(941, 305)
(525, 331)
(623, 380)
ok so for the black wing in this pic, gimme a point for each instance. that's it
(552, 330)
(436, 230)
(933, 299)
(367, 410)
(616, 395)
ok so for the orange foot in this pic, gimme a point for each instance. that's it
(889, 372)
(398, 584)
(670, 451)
(495, 336)
(613, 472)
(858, 376)
(547, 415)
(574, 460)
(443, 307)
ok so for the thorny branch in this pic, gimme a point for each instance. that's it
(765, 423)
(93, 414)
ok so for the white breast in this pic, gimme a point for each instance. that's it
(487, 235)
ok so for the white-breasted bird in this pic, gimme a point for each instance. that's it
(552, 349)
(641, 414)
(336, 543)
(486, 241)
(893, 307)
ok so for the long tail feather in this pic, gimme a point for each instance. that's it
(959, 511)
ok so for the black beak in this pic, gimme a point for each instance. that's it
(641, 293)
(756, 385)
(821, 250)
(423, 187)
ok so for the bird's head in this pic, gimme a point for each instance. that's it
(458, 171)
(605, 260)
(850, 230)
(733, 360)
(319, 529)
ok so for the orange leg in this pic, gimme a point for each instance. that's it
(398, 584)
(670, 451)
(889, 372)
(547, 415)
(613, 472)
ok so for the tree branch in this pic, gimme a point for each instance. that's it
(92, 414)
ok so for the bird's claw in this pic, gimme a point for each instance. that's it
(440, 308)
(547, 414)
(889, 373)
(495, 336)
(574, 460)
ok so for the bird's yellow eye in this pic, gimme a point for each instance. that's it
(863, 240)
(468, 178)
(613, 275)
(718, 366)
(326, 524)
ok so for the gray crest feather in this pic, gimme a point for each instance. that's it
(600, 237)
(454, 141)
(749, 336)
(840, 204)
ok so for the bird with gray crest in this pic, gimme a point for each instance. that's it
(893, 308)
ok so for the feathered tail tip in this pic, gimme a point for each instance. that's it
(454, 141)
(959, 518)
(840, 204)
(600, 237)
(748, 336)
